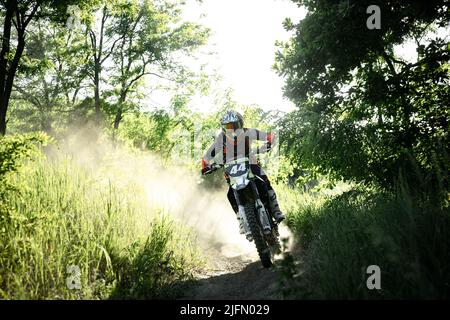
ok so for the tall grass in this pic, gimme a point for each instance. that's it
(342, 235)
(62, 214)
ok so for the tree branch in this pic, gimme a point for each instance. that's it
(389, 63)
(110, 51)
(27, 96)
(93, 42)
(102, 30)
(399, 61)
(33, 12)
(19, 23)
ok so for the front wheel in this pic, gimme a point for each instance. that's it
(263, 249)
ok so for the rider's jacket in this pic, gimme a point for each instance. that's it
(234, 144)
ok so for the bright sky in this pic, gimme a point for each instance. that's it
(243, 37)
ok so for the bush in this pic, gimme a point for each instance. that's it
(13, 151)
(152, 269)
(407, 239)
(66, 215)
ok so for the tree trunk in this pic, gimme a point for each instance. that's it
(2, 121)
(118, 118)
(119, 112)
(13, 68)
(7, 74)
(97, 91)
(98, 61)
(3, 63)
(4, 102)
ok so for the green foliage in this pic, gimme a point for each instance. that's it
(152, 269)
(343, 235)
(20, 15)
(365, 114)
(51, 80)
(148, 131)
(14, 150)
(62, 69)
(66, 214)
(150, 36)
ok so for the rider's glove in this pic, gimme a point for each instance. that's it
(205, 167)
(206, 170)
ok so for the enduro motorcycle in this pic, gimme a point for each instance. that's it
(258, 223)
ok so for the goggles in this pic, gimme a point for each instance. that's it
(232, 126)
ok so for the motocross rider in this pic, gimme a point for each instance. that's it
(234, 137)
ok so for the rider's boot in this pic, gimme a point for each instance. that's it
(241, 226)
(242, 230)
(241, 222)
(274, 207)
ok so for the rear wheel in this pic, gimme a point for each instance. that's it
(261, 245)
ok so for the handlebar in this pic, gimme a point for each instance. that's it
(216, 166)
(255, 151)
(213, 167)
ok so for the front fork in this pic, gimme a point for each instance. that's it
(260, 209)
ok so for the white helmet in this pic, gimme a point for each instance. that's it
(232, 120)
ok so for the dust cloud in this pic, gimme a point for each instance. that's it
(173, 190)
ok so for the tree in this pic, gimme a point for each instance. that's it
(53, 73)
(365, 113)
(150, 35)
(19, 14)
(103, 41)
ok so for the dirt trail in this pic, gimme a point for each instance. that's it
(234, 271)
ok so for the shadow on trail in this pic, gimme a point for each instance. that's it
(253, 282)
(239, 277)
